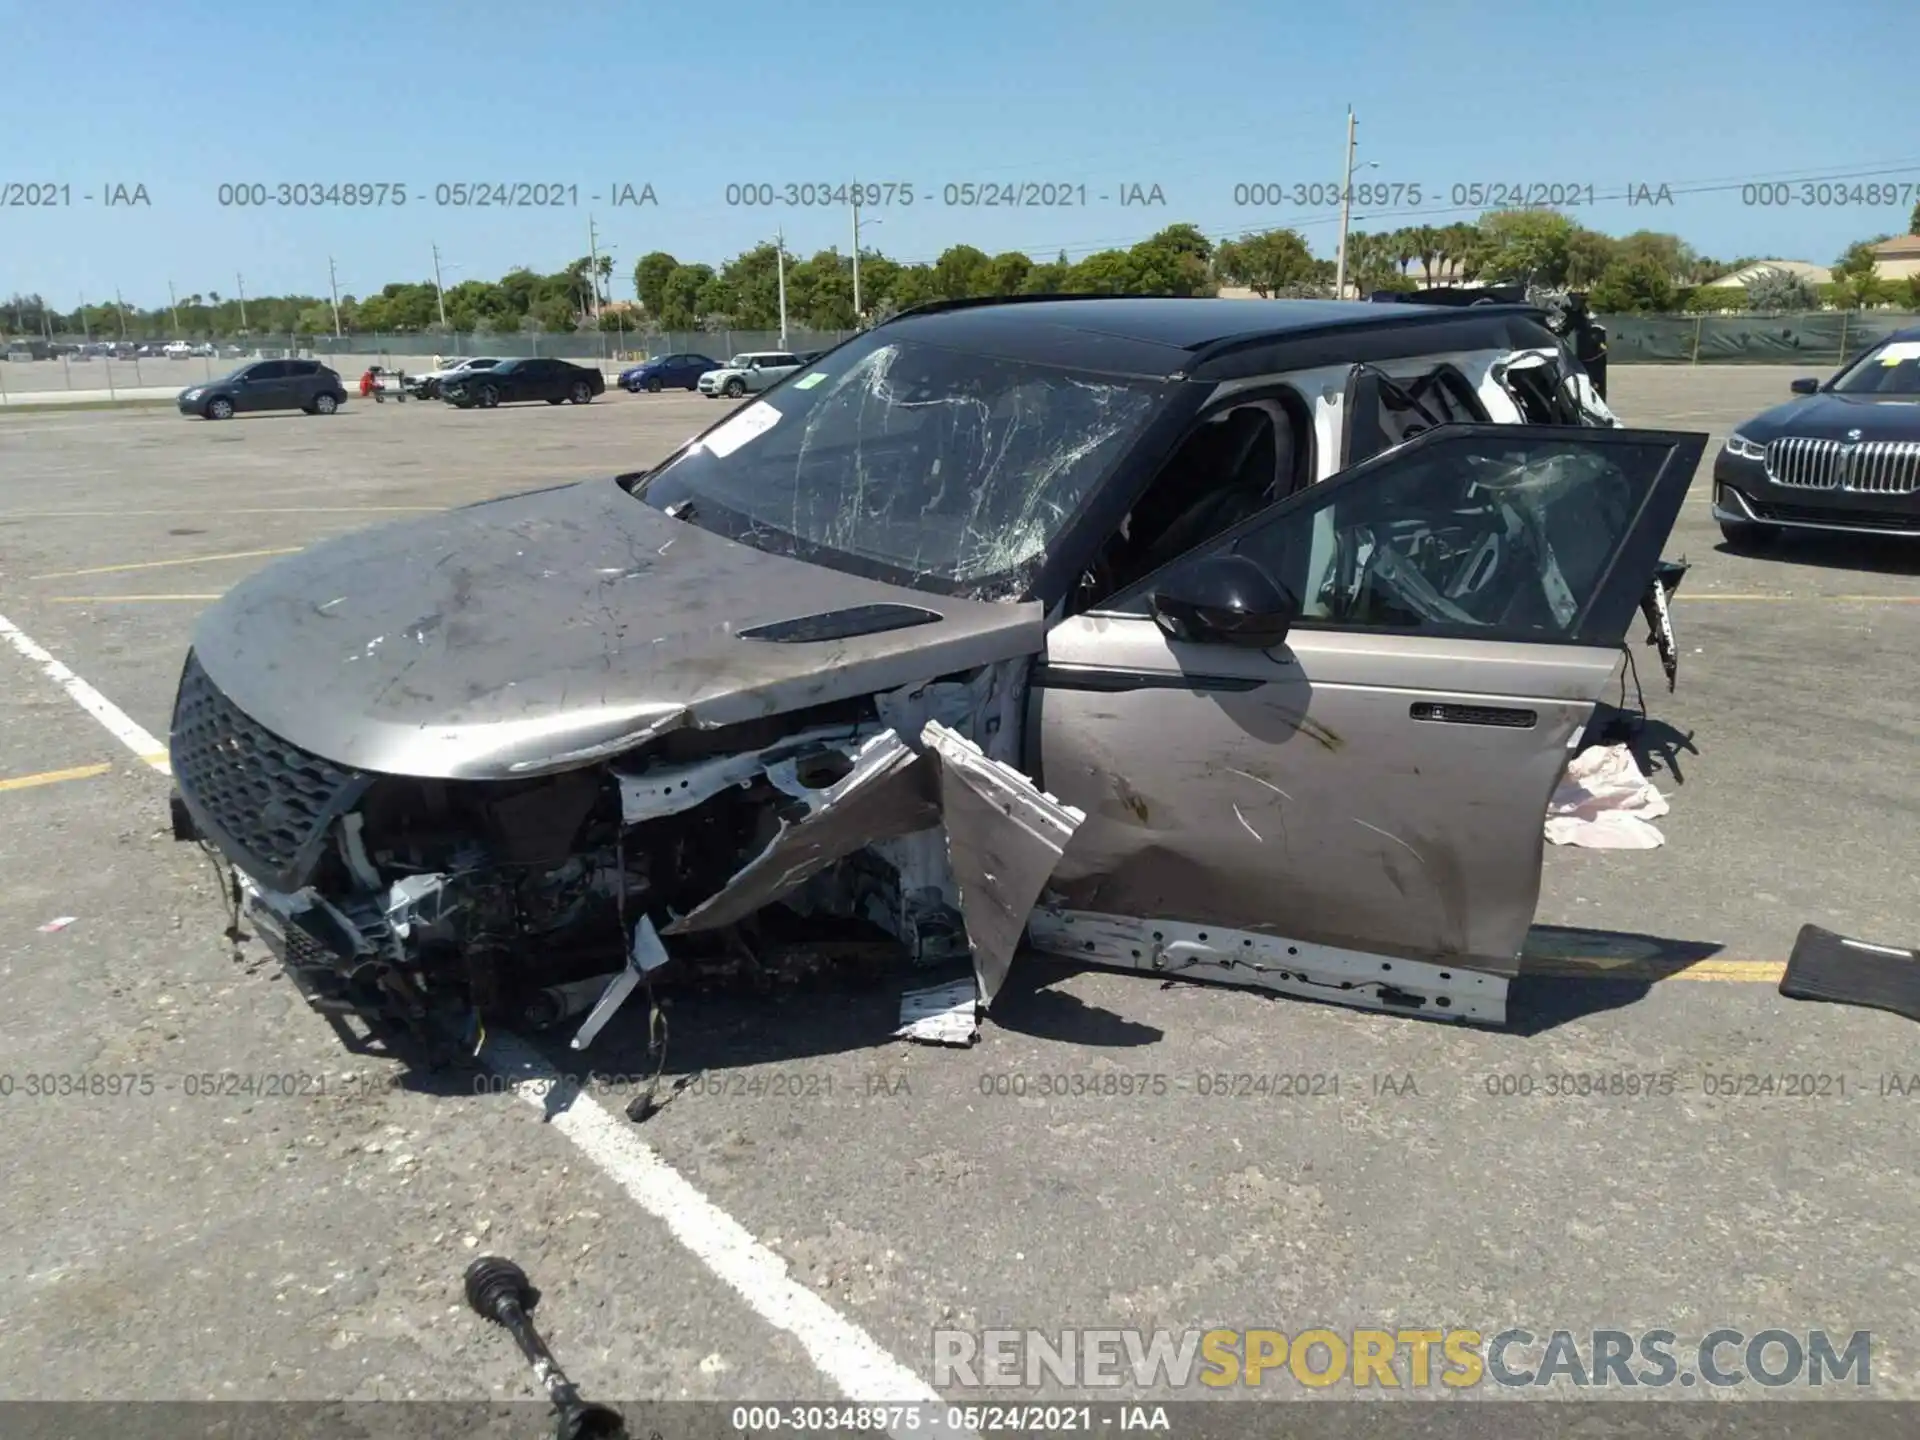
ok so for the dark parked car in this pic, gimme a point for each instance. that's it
(1219, 575)
(267, 385)
(555, 381)
(1843, 456)
(667, 372)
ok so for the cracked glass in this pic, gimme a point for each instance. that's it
(936, 468)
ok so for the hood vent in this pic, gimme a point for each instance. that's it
(855, 620)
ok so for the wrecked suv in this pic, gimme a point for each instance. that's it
(1229, 640)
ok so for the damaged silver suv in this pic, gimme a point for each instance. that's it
(1234, 640)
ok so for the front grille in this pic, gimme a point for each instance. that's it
(270, 799)
(1872, 467)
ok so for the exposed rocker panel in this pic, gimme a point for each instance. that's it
(1266, 962)
(886, 794)
(1004, 838)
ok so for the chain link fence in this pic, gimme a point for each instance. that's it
(1821, 340)
(78, 367)
(81, 367)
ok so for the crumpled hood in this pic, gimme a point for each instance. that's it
(1830, 417)
(545, 630)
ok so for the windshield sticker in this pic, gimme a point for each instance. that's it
(807, 382)
(749, 424)
(1899, 350)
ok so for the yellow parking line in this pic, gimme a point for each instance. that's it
(1743, 972)
(54, 777)
(159, 564)
(105, 599)
(244, 510)
(1858, 599)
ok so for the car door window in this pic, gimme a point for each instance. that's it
(1492, 532)
(1384, 410)
(270, 370)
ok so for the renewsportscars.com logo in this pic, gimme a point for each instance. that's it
(1396, 1359)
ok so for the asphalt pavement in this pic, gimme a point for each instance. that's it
(208, 1233)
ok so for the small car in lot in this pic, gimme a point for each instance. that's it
(267, 385)
(558, 382)
(749, 373)
(427, 386)
(1240, 641)
(667, 372)
(1841, 457)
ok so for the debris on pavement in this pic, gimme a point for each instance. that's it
(498, 1290)
(57, 923)
(1605, 803)
(941, 1014)
(1830, 967)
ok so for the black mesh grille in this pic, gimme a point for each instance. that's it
(271, 800)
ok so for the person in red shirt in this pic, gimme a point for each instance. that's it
(370, 384)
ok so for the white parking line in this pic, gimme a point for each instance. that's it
(841, 1350)
(119, 724)
(852, 1359)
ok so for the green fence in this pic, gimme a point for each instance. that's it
(1821, 339)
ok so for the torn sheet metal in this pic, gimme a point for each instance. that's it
(887, 793)
(646, 955)
(941, 1014)
(670, 789)
(1004, 838)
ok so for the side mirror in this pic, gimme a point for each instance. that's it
(1226, 600)
(1804, 386)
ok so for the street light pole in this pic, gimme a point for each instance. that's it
(439, 289)
(241, 281)
(1346, 214)
(333, 284)
(593, 270)
(121, 306)
(173, 304)
(780, 260)
(856, 262)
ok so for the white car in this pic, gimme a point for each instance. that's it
(178, 350)
(749, 373)
(427, 386)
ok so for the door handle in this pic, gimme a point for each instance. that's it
(1500, 716)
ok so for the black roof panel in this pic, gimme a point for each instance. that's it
(1153, 334)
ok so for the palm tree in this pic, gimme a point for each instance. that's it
(1405, 248)
(1429, 248)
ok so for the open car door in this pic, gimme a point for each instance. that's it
(1315, 753)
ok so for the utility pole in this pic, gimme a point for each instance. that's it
(780, 260)
(173, 304)
(440, 289)
(593, 269)
(241, 281)
(121, 306)
(856, 262)
(1346, 214)
(333, 284)
(86, 331)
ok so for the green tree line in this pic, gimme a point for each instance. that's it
(1643, 272)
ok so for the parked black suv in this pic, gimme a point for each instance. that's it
(267, 385)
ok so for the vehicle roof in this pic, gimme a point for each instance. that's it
(1162, 334)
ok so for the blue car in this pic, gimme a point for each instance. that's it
(667, 372)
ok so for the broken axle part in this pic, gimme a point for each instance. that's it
(499, 1290)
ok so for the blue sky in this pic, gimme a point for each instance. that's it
(1196, 98)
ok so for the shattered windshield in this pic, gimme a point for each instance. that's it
(1893, 369)
(936, 468)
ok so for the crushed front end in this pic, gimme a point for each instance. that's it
(760, 852)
